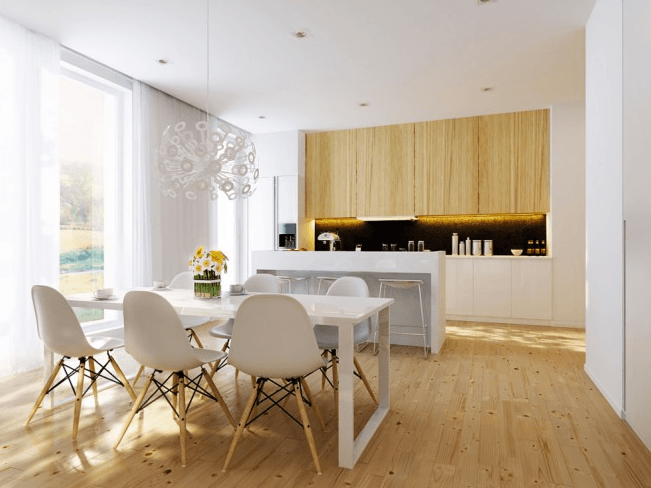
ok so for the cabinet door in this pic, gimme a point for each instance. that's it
(385, 171)
(492, 292)
(514, 162)
(447, 167)
(532, 289)
(330, 174)
(531, 175)
(459, 286)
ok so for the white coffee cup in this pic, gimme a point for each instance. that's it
(103, 293)
(159, 284)
(236, 288)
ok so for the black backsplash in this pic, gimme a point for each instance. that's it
(506, 231)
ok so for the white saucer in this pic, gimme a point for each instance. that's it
(161, 289)
(230, 294)
(112, 297)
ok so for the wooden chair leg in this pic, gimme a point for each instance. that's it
(93, 376)
(134, 409)
(181, 410)
(78, 396)
(219, 398)
(123, 378)
(307, 428)
(138, 375)
(175, 395)
(315, 408)
(196, 338)
(47, 386)
(364, 379)
(240, 426)
(335, 380)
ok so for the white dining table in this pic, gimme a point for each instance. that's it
(343, 312)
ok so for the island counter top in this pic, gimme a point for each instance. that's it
(429, 266)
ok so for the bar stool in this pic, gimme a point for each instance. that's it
(328, 279)
(291, 279)
(405, 284)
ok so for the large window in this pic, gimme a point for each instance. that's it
(93, 124)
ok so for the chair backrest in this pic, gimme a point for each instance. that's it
(154, 334)
(351, 286)
(57, 324)
(184, 280)
(273, 338)
(262, 283)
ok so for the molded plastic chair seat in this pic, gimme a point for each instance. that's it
(273, 338)
(155, 337)
(59, 328)
(327, 336)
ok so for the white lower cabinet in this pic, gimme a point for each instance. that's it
(493, 288)
(531, 282)
(459, 286)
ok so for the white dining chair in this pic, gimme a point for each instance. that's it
(257, 283)
(60, 330)
(327, 336)
(273, 340)
(154, 335)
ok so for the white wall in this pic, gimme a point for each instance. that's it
(568, 214)
(604, 269)
(637, 212)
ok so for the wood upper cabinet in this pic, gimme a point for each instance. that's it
(514, 162)
(385, 171)
(447, 167)
(330, 174)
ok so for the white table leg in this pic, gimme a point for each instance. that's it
(351, 449)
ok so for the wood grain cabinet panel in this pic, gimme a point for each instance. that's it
(447, 167)
(385, 171)
(330, 174)
(514, 162)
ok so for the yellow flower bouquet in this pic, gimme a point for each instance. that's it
(207, 267)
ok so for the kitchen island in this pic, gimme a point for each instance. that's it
(371, 266)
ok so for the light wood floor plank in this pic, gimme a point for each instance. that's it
(502, 406)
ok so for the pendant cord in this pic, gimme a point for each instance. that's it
(208, 63)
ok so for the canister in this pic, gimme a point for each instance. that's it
(476, 247)
(462, 248)
(488, 247)
(455, 244)
(468, 248)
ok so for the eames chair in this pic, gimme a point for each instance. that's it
(273, 340)
(327, 336)
(258, 283)
(184, 281)
(154, 335)
(60, 331)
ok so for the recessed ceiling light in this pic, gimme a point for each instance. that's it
(162, 61)
(487, 88)
(300, 34)
(479, 2)
(363, 104)
(262, 117)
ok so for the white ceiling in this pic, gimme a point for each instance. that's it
(409, 60)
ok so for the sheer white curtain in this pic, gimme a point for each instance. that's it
(29, 187)
(177, 225)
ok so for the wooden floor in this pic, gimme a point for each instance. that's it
(501, 406)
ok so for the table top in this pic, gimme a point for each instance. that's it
(329, 310)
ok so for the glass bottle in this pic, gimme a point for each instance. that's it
(543, 248)
(529, 248)
(537, 249)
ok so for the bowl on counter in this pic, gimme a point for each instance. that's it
(516, 252)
